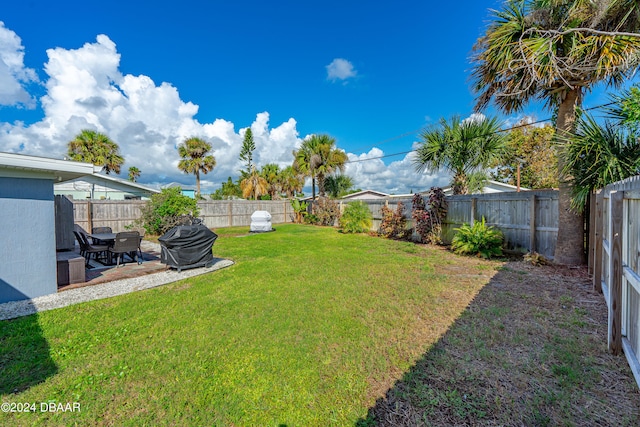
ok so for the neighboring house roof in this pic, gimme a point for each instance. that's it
(365, 194)
(177, 184)
(102, 183)
(20, 165)
(490, 187)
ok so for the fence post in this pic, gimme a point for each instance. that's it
(230, 212)
(597, 232)
(614, 334)
(592, 239)
(474, 204)
(532, 223)
(89, 216)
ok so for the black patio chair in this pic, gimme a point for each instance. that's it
(127, 243)
(87, 248)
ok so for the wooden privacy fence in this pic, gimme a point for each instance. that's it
(615, 257)
(118, 214)
(528, 219)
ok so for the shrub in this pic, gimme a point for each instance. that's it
(356, 218)
(326, 211)
(428, 220)
(311, 219)
(299, 211)
(394, 224)
(166, 210)
(479, 239)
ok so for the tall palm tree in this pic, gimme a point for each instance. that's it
(556, 50)
(195, 158)
(134, 174)
(254, 185)
(462, 147)
(291, 182)
(317, 158)
(305, 161)
(330, 159)
(97, 148)
(271, 173)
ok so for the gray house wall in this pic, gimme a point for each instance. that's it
(27, 244)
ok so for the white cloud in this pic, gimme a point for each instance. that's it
(399, 177)
(86, 89)
(13, 73)
(340, 69)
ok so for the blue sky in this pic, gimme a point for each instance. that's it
(150, 74)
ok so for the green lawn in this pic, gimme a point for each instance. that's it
(309, 327)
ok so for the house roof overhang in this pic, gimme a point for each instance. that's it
(23, 166)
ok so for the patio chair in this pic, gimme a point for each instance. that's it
(127, 243)
(86, 248)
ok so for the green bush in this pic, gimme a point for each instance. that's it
(480, 240)
(166, 210)
(356, 218)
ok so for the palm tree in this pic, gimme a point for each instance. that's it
(195, 158)
(556, 50)
(271, 173)
(97, 148)
(291, 182)
(254, 185)
(330, 159)
(305, 160)
(134, 173)
(317, 158)
(599, 155)
(462, 147)
(338, 185)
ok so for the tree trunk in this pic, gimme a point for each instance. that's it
(313, 187)
(197, 185)
(570, 245)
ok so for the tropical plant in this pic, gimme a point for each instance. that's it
(394, 224)
(318, 157)
(626, 108)
(195, 158)
(532, 149)
(299, 210)
(271, 173)
(428, 219)
(248, 146)
(165, 209)
(291, 182)
(461, 147)
(97, 148)
(478, 239)
(254, 186)
(356, 218)
(325, 211)
(556, 51)
(598, 155)
(338, 185)
(229, 190)
(134, 174)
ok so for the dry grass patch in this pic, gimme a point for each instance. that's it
(529, 350)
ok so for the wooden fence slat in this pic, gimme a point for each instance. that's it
(597, 232)
(614, 335)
